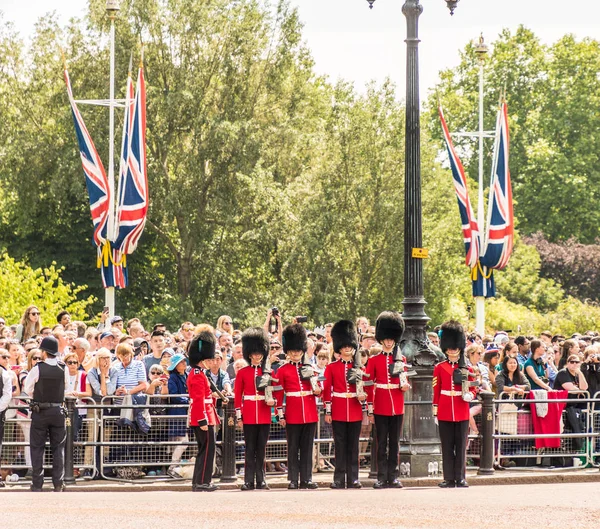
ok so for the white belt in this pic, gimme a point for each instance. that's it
(344, 395)
(254, 397)
(451, 393)
(299, 393)
(387, 386)
(208, 401)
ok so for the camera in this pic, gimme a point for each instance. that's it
(275, 311)
(301, 319)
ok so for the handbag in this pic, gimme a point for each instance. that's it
(508, 417)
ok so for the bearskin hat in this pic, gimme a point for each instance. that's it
(343, 334)
(255, 340)
(389, 326)
(202, 347)
(452, 336)
(294, 338)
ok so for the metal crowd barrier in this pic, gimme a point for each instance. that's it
(515, 438)
(103, 440)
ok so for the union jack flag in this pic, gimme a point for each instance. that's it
(95, 175)
(491, 250)
(133, 178)
(470, 227)
(499, 239)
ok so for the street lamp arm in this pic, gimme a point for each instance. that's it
(451, 4)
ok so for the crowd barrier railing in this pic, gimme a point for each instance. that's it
(113, 440)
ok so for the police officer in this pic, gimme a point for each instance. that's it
(46, 382)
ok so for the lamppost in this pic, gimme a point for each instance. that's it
(420, 444)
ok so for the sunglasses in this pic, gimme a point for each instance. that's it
(34, 313)
(188, 329)
(2, 323)
(72, 363)
(574, 362)
(227, 323)
(36, 358)
(275, 348)
(156, 372)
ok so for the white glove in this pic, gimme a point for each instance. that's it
(435, 420)
(467, 397)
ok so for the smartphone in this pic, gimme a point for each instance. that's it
(301, 319)
(105, 309)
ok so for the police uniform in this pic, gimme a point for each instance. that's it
(385, 400)
(46, 383)
(202, 411)
(300, 413)
(342, 404)
(251, 408)
(452, 408)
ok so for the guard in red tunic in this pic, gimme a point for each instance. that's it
(385, 397)
(252, 409)
(301, 416)
(202, 414)
(343, 408)
(452, 392)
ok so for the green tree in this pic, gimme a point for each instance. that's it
(21, 286)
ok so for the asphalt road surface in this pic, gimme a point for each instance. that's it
(549, 506)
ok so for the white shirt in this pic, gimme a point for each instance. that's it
(34, 375)
(6, 396)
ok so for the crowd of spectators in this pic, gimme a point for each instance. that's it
(119, 359)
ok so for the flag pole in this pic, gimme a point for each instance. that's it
(481, 50)
(112, 9)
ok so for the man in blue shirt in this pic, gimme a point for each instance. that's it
(524, 349)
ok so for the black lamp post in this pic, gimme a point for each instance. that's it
(420, 444)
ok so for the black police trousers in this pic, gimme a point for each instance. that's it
(48, 423)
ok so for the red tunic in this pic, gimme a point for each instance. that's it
(340, 394)
(300, 402)
(450, 407)
(249, 400)
(202, 406)
(385, 394)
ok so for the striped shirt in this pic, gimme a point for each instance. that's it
(130, 376)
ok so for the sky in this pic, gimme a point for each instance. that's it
(352, 42)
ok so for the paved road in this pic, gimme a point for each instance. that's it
(549, 506)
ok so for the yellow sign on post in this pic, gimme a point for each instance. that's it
(420, 253)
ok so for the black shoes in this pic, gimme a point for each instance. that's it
(263, 486)
(248, 486)
(337, 485)
(380, 485)
(33, 489)
(356, 485)
(447, 484)
(462, 484)
(311, 485)
(59, 488)
(204, 487)
(395, 484)
(293, 485)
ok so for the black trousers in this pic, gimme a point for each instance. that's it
(454, 436)
(48, 423)
(205, 460)
(256, 437)
(388, 438)
(300, 438)
(345, 439)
